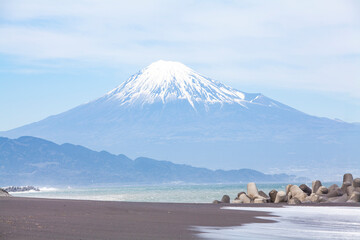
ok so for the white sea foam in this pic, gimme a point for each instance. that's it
(295, 222)
(48, 189)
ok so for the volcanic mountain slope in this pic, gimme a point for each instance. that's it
(169, 111)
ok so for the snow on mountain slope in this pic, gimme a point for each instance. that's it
(168, 111)
(166, 81)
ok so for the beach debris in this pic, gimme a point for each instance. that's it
(294, 194)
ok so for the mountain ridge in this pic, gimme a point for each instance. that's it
(29, 160)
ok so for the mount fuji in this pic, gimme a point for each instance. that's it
(169, 111)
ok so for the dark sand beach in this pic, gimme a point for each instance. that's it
(34, 218)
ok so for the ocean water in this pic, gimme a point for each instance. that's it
(293, 222)
(190, 193)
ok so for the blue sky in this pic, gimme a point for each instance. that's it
(55, 55)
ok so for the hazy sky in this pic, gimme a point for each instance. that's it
(55, 55)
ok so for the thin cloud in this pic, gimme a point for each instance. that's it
(308, 44)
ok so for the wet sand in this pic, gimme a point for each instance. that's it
(34, 218)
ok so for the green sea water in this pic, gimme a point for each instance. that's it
(204, 193)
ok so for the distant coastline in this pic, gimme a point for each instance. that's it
(21, 189)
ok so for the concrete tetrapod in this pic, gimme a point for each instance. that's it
(272, 195)
(280, 197)
(244, 198)
(264, 195)
(305, 189)
(335, 192)
(225, 199)
(347, 181)
(339, 199)
(355, 197)
(322, 190)
(294, 201)
(296, 192)
(315, 186)
(356, 183)
(252, 190)
(348, 177)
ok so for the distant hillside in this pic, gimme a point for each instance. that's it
(29, 160)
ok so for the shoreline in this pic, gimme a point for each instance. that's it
(220, 205)
(42, 218)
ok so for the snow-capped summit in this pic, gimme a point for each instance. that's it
(169, 111)
(167, 81)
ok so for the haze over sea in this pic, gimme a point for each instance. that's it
(180, 193)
